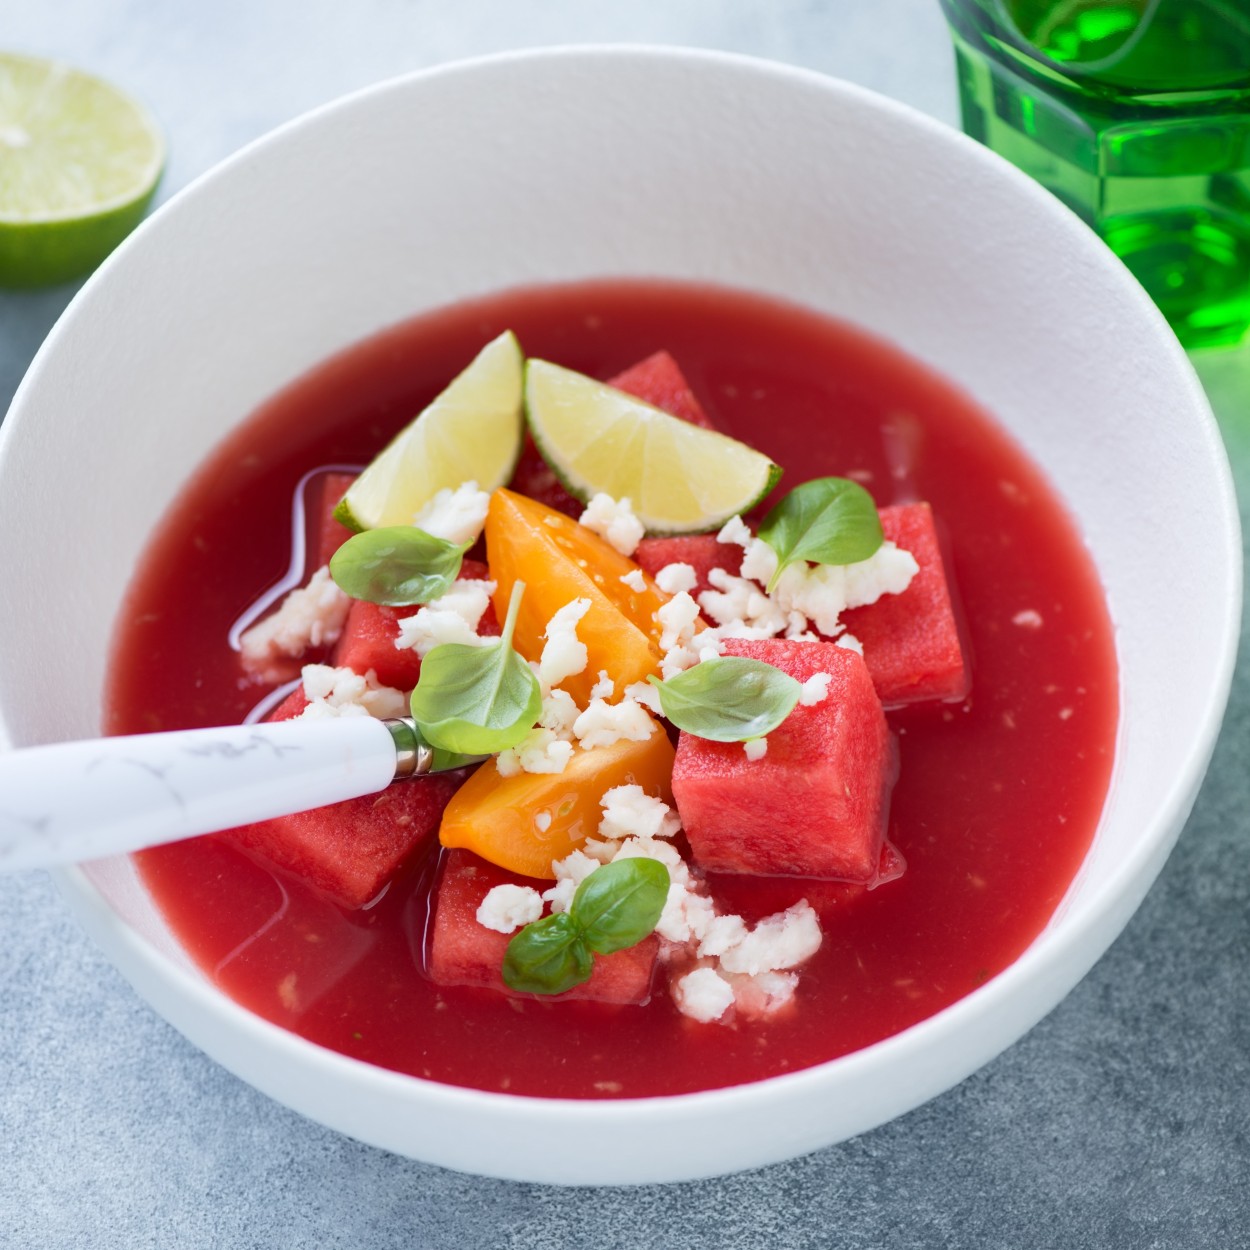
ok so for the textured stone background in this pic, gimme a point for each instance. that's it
(1120, 1121)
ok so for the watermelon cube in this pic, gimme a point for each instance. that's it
(701, 551)
(350, 850)
(816, 804)
(371, 630)
(463, 952)
(912, 641)
(325, 534)
(659, 381)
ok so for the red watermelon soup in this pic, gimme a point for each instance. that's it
(979, 749)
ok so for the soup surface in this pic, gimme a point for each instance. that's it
(997, 798)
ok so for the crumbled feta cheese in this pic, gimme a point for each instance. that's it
(677, 620)
(629, 811)
(614, 520)
(452, 617)
(823, 591)
(310, 616)
(542, 821)
(507, 908)
(559, 713)
(850, 642)
(540, 751)
(564, 654)
(677, 660)
(602, 724)
(703, 995)
(672, 579)
(635, 580)
(736, 530)
(456, 515)
(763, 994)
(645, 693)
(560, 896)
(815, 689)
(604, 687)
(755, 748)
(722, 934)
(739, 602)
(340, 692)
(777, 942)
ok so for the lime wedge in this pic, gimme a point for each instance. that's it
(79, 162)
(680, 479)
(470, 433)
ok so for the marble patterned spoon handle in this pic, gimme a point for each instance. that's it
(77, 801)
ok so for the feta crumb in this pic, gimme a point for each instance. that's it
(763, 994)
(559, 713)
(507, 908)
(677, 660)
(341, 692)
(755, 748)
(635, 580)
(629, 811)
(677, 619)
(602, 724)
(452, 617)
(1028, 619)
(542, 821)
(645, 693)
(310, 616)
(672, 579)
(540, 751)
(703, 995)
(604, 687)
(815, 689)
(777, 942)
(721, 934)
(456, 515)
(564, 654)
(560, 896)
(850, 642)
(614, 520)
(736, 530)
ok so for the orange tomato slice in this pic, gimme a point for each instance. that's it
(525, 822)
(559, 561)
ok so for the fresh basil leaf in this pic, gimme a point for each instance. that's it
(619, 904)
(829, 520)
(477, 700)
(398, 565)
(729, 699)
(548, 956)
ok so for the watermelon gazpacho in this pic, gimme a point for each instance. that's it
(755, 796)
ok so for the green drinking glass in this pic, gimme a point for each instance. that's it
(1135, 113)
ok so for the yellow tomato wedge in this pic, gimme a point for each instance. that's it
(525, 822)
(559, 561)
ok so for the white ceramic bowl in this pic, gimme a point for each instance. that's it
(570, 163)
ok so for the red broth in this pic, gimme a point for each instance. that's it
(997, 799)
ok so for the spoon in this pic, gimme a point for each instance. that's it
(76, 801)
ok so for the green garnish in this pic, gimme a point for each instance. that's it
(729, 699)
(399, 565)
(614, 908)
(477, 700)
(829, 520)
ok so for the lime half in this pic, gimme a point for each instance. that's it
(79, 163)
(680, 479)
(470, 433)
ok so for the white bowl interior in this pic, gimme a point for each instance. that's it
(576, 163)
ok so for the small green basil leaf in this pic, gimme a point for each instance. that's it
(829, 520)
(729, 699)
(619, 904)
(398, 565)
(477, 700)
(547, 957)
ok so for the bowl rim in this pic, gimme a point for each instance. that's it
(1068, 942)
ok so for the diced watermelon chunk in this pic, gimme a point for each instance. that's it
(370, 632)
(816, 804)
(463, 952)
(325, 534)
(350, 850)
(912, 641)
(658, 380)
(701, 551)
